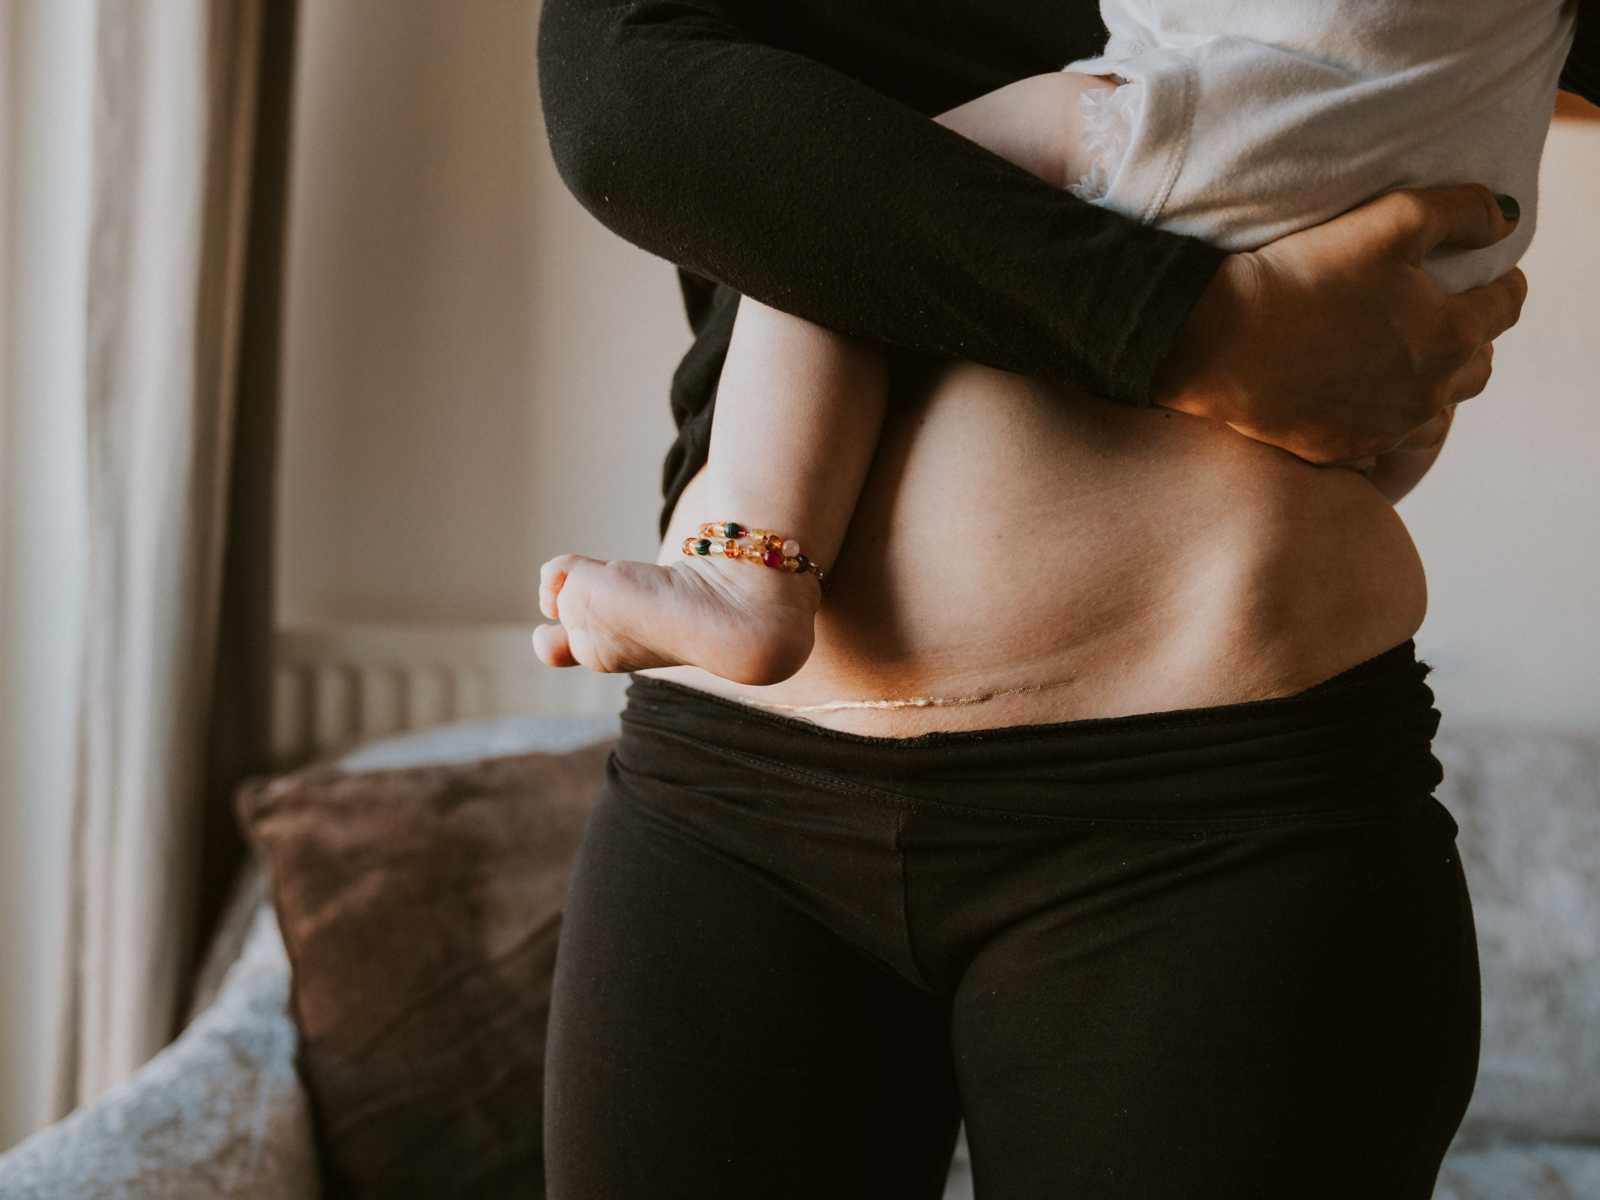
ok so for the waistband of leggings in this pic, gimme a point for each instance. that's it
(1360, 738)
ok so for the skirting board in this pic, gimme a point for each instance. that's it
(335, 685)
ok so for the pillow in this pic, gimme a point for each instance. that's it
(420, 909)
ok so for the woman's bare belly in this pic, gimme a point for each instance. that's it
(1020, 557)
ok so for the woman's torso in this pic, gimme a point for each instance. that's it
(1086, 559)
(1102, 559)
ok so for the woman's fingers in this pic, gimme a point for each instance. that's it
(1366, 466)
(1478, 315)
(1472, 378)
(1425, 219)
(1464, 214)
(1332, 343)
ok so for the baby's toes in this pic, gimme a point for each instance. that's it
(551, 645)
(553, 577)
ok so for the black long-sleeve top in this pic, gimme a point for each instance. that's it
(781, 149)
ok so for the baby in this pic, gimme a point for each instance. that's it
(1235, 121)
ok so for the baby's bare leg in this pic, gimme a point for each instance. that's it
(1036, 123)
(798, 414)
(799, 410)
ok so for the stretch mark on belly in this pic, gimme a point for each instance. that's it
(913, 701)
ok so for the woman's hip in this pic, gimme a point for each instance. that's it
(1270, 827)
(1249, 915)
(1354, 746)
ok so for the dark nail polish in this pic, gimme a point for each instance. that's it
(1508, 206)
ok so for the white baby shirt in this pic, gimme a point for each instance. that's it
(1251, 119)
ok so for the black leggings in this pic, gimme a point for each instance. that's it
(1216, 953)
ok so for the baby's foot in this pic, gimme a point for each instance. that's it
(745, 622)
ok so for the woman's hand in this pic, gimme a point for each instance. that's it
(1431, 435)
(1397, 472)
(1333, 343)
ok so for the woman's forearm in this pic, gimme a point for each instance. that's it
(819, 397)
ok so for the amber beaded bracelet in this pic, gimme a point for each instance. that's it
(765, 547)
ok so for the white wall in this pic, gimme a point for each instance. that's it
(1508, 521)
(477, 372)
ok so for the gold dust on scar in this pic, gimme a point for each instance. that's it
(914, 701)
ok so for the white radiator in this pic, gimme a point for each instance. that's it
(338, 684)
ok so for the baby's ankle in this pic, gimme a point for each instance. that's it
(770, 613)
(755, 586)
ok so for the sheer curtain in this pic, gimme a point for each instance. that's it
(142, 218)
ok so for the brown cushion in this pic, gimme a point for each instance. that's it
(420, 909)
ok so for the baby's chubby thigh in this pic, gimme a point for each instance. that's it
(1095, 131)
(1041, 123)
